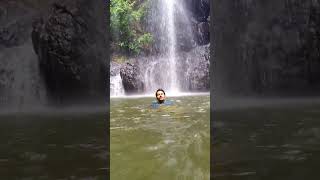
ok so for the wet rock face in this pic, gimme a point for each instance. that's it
(199, 75)
(267, 46)
(19, 78)
(192, 71)
(200, 13)
(196, 69)
(199, 8)
(15, 23)
(13, 35)
(202, 33)
(71, 47)
(131, 78)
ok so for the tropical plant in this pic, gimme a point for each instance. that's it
(127, 17)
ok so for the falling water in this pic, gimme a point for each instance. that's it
(170, 26)
(172, 62)
(20, 86)
(116, 86)
(166, 20)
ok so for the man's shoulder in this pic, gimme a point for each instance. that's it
(168, 102)
(154, 104)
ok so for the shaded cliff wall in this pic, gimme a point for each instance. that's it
(266, 47)
(71, 46)
(66, 41)
(20, 81)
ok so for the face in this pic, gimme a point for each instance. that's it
(160, 96)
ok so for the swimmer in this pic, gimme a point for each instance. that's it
(161, 96)
(161, 99)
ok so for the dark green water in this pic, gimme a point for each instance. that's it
(47, 146)
(169, 143)
(266, 143)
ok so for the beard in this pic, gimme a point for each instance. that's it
(160, 101)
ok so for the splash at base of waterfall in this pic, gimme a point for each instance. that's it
(168, 95)
(116, 86)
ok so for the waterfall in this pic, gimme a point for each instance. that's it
(21, 86)
(169, 27)
(166, 20)
(116, 86)
(177, 62)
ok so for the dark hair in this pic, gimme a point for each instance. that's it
(160, 90)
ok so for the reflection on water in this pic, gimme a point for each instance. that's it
(42, 146)
(171, 142)
(266, 143)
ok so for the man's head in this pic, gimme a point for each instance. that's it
(160, 95)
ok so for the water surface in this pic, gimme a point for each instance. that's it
(267, 142)
(172, 142)
(53, 145)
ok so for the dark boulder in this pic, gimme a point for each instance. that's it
(131, 78)
(71, 46)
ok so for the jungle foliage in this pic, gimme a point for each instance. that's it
(127, 26)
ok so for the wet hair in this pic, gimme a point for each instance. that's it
(160, 90)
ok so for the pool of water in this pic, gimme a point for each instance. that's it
(171, 142)
(271, 142)
(53, 145)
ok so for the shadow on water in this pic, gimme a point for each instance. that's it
(52, 143)
(266, 139)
